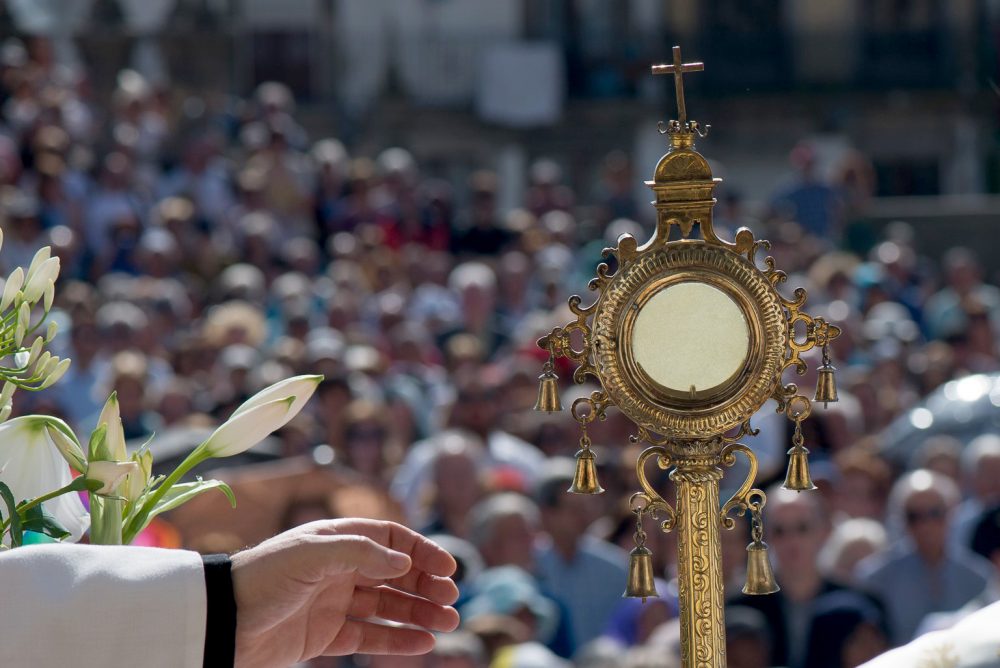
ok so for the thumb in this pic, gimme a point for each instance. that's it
(362, 555)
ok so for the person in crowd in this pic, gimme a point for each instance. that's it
(580, 569)
(981, 473)
(797, 527)
(923, 502)
(848, 629)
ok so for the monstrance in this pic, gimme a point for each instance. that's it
(689, 338)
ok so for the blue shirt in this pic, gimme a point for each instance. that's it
(591, 585)
(911, 588)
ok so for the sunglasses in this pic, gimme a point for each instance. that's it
(791, 529)
(916, 516)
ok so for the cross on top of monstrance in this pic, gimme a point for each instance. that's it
(678, 68)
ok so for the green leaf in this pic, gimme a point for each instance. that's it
(177, 495)
(38, 520)
(16, 532)
(183, 492)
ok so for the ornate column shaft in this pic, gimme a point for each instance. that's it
(699, 562)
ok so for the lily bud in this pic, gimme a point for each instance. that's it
(7, 393)
(58, 372)
(136, 481)
(23, 320)
(43, 254)
(5, 412)
(11, 287)
(301, 388)
(49, 296)
(43, 362)
(38, 281)
(111, 474)
(241, 432)
(51, 332)
(65, 441)
(116, 432)
(36, 349)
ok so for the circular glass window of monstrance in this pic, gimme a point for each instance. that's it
(690, 338)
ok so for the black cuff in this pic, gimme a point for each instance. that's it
(220, 613)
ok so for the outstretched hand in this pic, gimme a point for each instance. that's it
(318, 589)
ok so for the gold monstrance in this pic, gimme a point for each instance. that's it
(689, 338)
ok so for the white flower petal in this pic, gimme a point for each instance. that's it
(58, 372)
(59, 433)
(10, 288)
(300, 387)
(43, 254)
(241, 432)
(35, 467)
(111, 416)
(111, 474)
(38, 281)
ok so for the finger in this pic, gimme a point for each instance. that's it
(435, 588)
(361, 637)
(427, 555)
(328, 555)
(396, 606)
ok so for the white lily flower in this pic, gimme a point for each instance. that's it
(241, 432)
(35, 467)
(111, 416)
(38, 281)
(136, 481)
(65, 440)
(10, 288)
(299, 387)
(58, 372)
(112, 474)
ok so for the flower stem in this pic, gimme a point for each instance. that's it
(74, 486)
(134, 526)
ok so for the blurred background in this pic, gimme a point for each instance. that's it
(402, 195)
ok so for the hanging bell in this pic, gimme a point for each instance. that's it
(760, 576)
(797, 477)
(826, 384)
(585, 478)
(548, 392)
(640, 574)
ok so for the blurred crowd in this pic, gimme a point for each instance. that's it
(207, 252)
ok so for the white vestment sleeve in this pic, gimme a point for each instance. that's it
(101, 606)
(974, 642)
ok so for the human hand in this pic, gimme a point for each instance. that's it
(314, 590)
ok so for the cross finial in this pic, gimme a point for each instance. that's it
(678, 69)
